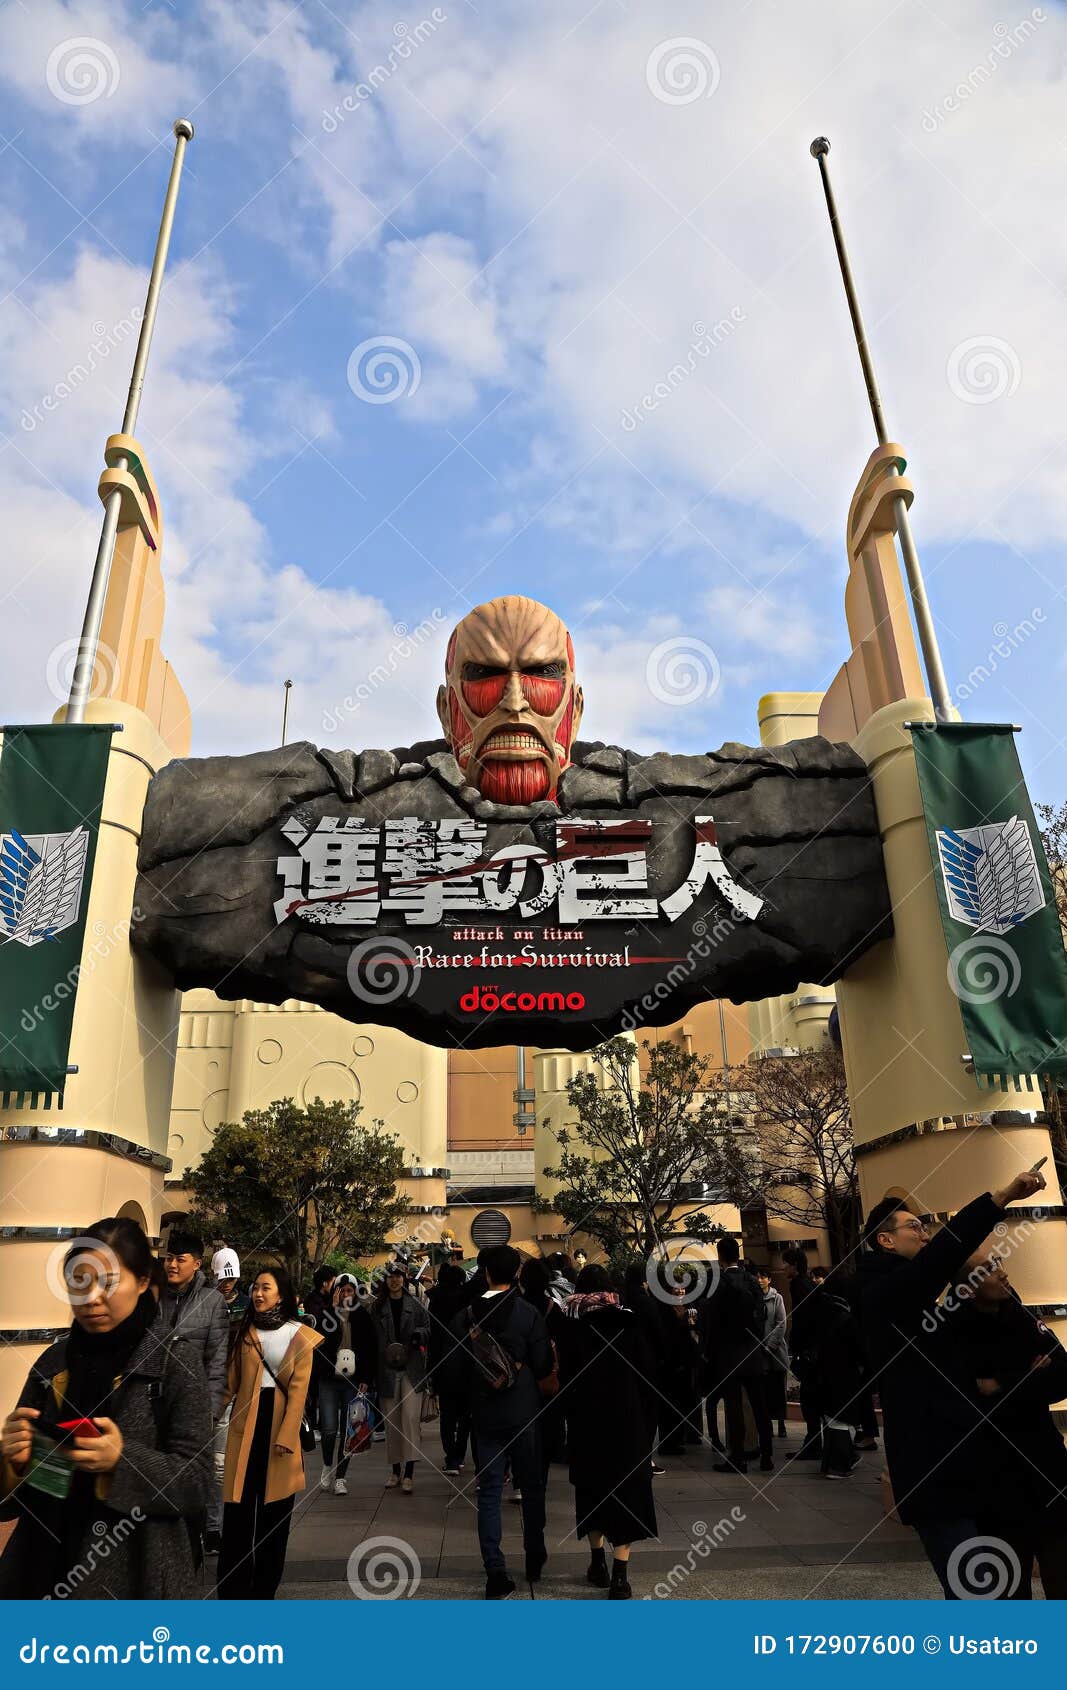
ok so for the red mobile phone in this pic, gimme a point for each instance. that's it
(80, 1428)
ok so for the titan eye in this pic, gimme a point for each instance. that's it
(546, 671)
(481, 671)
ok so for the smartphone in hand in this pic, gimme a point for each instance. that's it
(80, 1428)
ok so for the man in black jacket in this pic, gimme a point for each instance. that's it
(935, 1445)
(732, 1329)
(505, 1418)
(802, 1350)
(1018, 1367)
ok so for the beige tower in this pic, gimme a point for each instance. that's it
(106, 1153)
(923, 1126)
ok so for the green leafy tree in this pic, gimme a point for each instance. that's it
(648, 1152)
(301, 1185)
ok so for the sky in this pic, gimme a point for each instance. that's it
(430, 273)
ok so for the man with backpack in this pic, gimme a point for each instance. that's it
(503, 1353)
(732, 1330)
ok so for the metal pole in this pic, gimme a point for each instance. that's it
(285, 708)
(105, 551)
(924, 622)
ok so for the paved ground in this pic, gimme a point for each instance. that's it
(789, 1533)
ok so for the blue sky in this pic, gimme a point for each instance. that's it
(549, 208)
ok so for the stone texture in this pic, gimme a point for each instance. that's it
(796, 825)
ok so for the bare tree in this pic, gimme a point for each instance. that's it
(800, 1111)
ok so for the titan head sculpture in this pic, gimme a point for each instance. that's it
(510, 706)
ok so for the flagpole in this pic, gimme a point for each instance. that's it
(924, 622)
(88, 645)
(285, 708)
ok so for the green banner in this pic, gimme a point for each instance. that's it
(51, 791)
(1007, 964)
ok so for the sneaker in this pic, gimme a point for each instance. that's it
(340, 1488)
(212, 1543)
(326, 1479)
(450, 1472)
(498, 1586)
(657, 1470)
(407, 1486)
(830, 1474)
(392, 1481)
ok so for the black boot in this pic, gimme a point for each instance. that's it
(620, 1586)
(498, 1585)
(535, 1564)
(597, 1571)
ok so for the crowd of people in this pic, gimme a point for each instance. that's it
(171, 1422)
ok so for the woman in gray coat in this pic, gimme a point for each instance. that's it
(402, 1326)
(777, 1347)
(107, 1464)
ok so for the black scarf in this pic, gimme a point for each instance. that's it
(271, 1319)
(96, 1359)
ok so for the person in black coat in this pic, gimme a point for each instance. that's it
(935, 1443)
(837, 1372)
(802, 1350)
(349, 1365)
(505, 1415)
(605, 1369)
(1018, 1367)
(732, 1333)
(448, 1299)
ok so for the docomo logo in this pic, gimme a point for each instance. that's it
(383, 1569)
(682, 1271)
(984, 1569)
(486, 1000)
(78, 1270)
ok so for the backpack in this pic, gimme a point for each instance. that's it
(497, 1370)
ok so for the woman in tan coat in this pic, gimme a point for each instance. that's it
(269, 1373)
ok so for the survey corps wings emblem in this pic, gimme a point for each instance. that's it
(41, 876)
(991, 875)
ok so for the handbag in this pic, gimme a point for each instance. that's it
(358, 1432)
(396, 1356)
(430, 1408)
